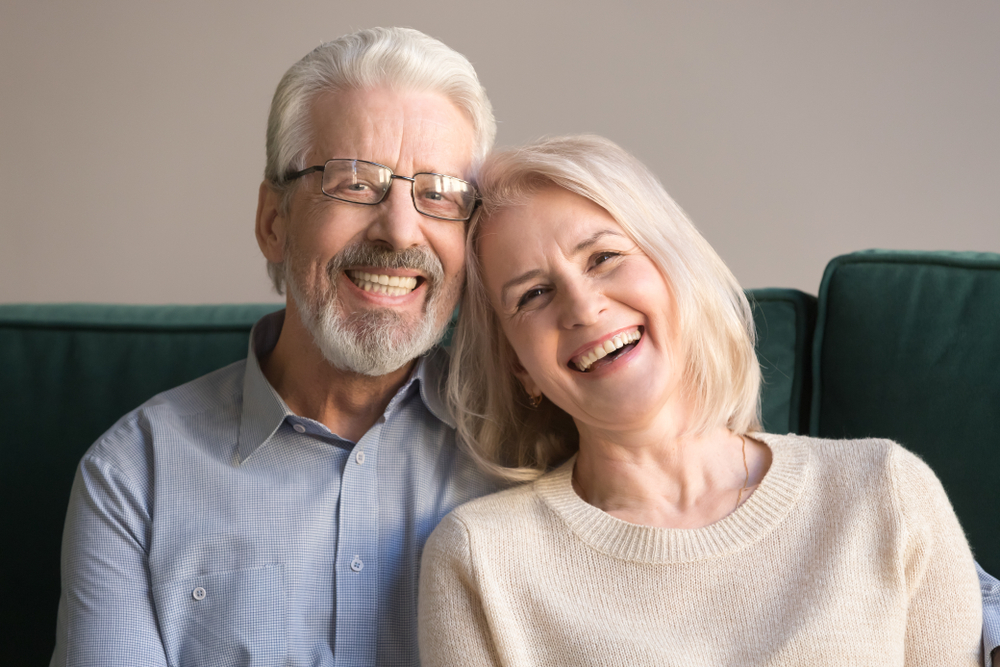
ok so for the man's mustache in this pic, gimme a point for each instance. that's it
(417, 258)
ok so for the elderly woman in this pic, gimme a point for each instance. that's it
(606, 354)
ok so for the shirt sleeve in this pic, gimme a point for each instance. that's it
(452, 624)
(106, 612)
(991, 613)
(944, 613)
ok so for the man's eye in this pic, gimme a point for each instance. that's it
(352, 189)
(435, 196)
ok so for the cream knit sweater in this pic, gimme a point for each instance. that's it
(848, 553)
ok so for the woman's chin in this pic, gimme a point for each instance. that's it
(620, 411)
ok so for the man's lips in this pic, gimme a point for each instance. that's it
(383, 283)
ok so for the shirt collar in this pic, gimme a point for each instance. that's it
(264, 411)
(430, 374)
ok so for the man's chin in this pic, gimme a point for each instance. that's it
(376, 344)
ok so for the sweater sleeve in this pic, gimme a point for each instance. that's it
(944, 611)
(452, 625)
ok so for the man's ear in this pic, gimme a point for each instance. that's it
(272, 225)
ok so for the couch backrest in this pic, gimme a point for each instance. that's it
(907, 347)
(785, 319)
(67, 373)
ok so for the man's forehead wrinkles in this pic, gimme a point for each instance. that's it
(390, 139)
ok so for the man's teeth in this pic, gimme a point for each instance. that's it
(606, 348)
(383, 284)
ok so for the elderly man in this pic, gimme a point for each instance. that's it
(274, 512)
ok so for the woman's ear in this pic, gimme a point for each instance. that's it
(529, 384)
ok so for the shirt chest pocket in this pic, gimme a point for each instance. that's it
(225, 618)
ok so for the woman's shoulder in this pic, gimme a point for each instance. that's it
(855, 462)
(497, 513)
(514, 499)
(854, 454)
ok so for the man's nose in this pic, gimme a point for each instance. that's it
(579, 304)
(396, 222)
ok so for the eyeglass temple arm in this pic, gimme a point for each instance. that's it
(298, 174)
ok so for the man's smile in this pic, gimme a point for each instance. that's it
(380, 283)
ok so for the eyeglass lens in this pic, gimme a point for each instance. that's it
(363, 182)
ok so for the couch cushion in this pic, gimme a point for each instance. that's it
(908, 347)
(67, 373)
(784, 319)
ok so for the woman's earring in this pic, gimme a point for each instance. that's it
(536, 400)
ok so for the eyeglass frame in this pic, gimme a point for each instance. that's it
(412, 179)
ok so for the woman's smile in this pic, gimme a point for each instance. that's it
(606, 351)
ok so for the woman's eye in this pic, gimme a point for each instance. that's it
(602, 257)
(528, 296)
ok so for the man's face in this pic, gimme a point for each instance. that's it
(337, 254)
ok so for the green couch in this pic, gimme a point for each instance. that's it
(903, 345)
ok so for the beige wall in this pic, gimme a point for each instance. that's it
(131, 141)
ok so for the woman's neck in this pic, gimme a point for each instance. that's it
(666, 478)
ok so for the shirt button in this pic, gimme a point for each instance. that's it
(357, 565)
(299, 428)
(359, 457)
(198, 593)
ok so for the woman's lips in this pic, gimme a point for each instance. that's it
(611, 345)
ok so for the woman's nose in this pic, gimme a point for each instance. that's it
(580, 305)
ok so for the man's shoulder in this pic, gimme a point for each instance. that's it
(214, 391)
(184, 414)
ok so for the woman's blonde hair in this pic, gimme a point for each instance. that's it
(721, 375)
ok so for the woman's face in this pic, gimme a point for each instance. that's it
(569, 286)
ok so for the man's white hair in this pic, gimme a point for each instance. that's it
(397, 58)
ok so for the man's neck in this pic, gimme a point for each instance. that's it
(347, 403)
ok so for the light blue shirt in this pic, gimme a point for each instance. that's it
(991, 613)
(211, 526)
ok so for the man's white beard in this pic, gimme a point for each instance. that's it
(377, 341)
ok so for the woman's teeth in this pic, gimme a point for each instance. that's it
(382, 284)
(607, 347)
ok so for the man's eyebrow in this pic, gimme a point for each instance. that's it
(597, 236)
(513, 282)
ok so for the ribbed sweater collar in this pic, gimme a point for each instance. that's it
(766, 507)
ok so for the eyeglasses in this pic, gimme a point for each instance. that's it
(361, 182)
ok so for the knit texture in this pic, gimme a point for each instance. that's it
(848, 553)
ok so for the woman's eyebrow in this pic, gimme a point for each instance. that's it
(594, 238)
(534, 273)
(524, 277)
